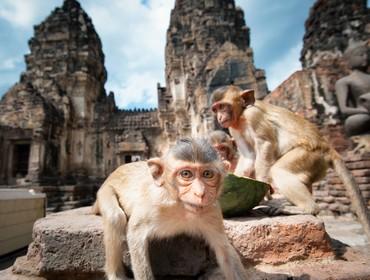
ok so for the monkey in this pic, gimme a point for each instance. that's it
(164, 197)
(362, 143)
(225, 147)
(282, 148)
(227, 150)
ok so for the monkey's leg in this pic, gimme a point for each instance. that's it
(227, 257)
(294, 189)
(138, 244)
(293, 174)
(115, 222)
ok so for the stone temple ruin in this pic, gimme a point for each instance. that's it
(61, 133)
(58, 125)
(207, 47)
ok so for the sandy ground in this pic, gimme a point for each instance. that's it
(346, 230)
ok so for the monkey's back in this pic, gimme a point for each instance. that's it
(292, 130)
(130, 182)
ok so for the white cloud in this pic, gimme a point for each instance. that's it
(20, 13)
(281, 69)
(9, 63)
(138, 89)
(133, 36)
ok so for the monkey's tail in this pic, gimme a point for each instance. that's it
(353, 190)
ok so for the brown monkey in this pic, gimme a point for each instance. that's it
(227, 150)
(282, 148)
(161, 198)
(225, 147)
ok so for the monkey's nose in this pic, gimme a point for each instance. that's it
(198, 188)
(199, 196)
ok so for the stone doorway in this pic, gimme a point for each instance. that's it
(21, 155)
(132, 158)
(128, 158)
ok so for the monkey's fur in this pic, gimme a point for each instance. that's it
(161, 198)
(282, 148)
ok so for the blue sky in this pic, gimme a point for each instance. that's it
(133, 34)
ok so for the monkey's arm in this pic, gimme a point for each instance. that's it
(138, 244)
(227, 257)
(265, 157)
(245, 165)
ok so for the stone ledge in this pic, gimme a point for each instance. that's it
(279, 240)
(68, 245)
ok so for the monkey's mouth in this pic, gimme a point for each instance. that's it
(193, 207)
(225, 124)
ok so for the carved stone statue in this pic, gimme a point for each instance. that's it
(353, 92)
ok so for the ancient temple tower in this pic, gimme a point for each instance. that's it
(331, 27)
(207, 47)
(53, 103)
(57, 125)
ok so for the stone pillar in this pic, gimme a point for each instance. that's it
(8, 166)
(37, 157)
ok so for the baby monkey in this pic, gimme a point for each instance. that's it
(164, 197)
(227, 150)
(225, 147)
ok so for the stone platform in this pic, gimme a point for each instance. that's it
(68, 245)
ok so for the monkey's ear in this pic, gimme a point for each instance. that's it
(156, 169)
(248, 97)
(227, 165)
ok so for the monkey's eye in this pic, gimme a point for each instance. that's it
(214, 108)
(209, 174)
(186, 174)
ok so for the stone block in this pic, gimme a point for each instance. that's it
(365, 164)
(70, 244)
(361, 173)
(338, 193)
(65, 243)
(279, 240)
(327, 199)
(364, 187)
(321, 193)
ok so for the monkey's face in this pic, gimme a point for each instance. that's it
(223, 151)
(224, 113)
(197, 184)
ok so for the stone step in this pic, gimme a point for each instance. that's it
(68, 245)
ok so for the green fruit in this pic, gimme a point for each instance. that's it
(241, 194)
